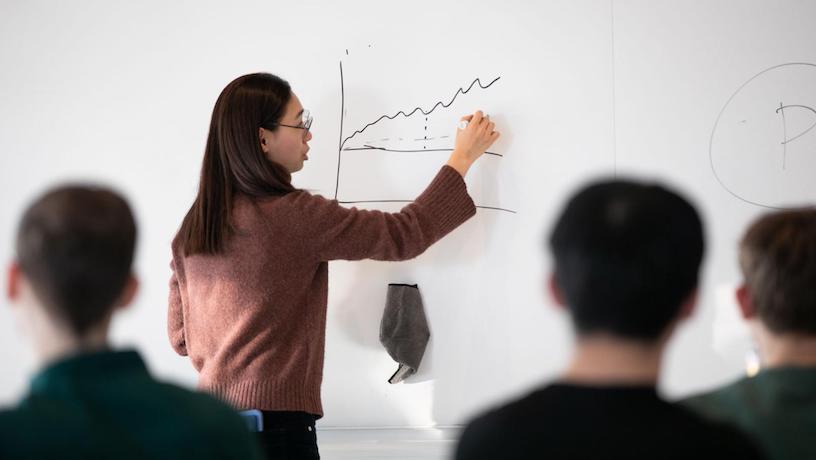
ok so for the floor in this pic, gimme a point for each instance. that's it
(387, 444)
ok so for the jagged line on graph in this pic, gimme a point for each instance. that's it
(424, 112)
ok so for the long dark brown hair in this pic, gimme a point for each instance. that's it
(234, 163)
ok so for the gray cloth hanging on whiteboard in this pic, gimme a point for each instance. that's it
(404, 329)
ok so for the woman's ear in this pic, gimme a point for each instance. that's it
(262, 138)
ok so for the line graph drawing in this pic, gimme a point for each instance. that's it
(371, 145)
(419, 109)
(762, 143)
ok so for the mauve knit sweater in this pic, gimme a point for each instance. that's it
(253, 318)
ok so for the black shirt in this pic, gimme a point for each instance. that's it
(577, 422)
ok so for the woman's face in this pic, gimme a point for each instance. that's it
(288, 146)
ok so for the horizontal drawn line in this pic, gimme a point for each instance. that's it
(497, 209)
(411, 201)
(420, 109)
(371, 147)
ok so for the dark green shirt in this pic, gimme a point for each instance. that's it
(777, 407)
(106, 405)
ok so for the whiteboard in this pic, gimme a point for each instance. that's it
(688, 92)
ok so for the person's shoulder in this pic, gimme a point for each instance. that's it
(720, 402)
(486, 433)
(295, 198)
(482, 437)
(10, 418)
(26, 410)
(528, 405)
(715, 435)
(297, 206)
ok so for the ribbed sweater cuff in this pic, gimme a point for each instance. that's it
(447, 199)
(273, 396)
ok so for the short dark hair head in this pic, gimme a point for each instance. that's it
(75, 245)
(778, 261)
(627, 255)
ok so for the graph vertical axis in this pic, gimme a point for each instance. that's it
(340, 144)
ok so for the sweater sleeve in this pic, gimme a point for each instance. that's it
(175, 315)
(353, 234)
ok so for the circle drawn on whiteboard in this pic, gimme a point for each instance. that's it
(763, 144)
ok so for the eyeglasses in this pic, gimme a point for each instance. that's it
(305, 123)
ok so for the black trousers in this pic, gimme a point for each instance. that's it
(289, 436)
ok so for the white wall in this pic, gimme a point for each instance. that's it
(121, 92)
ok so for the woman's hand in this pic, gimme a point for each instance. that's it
(472, 141)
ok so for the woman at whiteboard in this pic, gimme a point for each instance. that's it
(248, 292)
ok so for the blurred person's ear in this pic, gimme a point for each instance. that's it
(13, 279)
(555, 292)
(745, 302)
(128, 292)
(689, 305)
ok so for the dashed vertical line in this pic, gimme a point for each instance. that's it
(424, 146)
